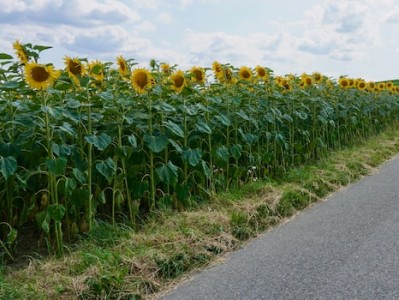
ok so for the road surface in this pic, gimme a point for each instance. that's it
(346, 247)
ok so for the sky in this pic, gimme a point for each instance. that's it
(357, 38)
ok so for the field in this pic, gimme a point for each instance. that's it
(103, 142)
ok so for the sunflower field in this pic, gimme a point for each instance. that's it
(114, 141)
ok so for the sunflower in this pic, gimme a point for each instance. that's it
(360, 84)
(381, 86)
(261, 73)
(245, 73)
(40, 76)
(370, 86)
(228, 75)
(389, 85)
(283, 82)
(141, 80)
(123, 67)
(178, 81)
(96, 70)
(197, 75)
(317, 77)
(218, 71)
(21, 52)
(344, 82)
(74, 68)
(351, 82)
(166, 69)
(306, 80)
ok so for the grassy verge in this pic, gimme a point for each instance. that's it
(119, 263)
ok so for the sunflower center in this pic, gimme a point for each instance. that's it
(245, 74)
(198, 75)
(75, 68)
(141, 80)
(344, 83)
(122, 66)
(178, 81)
(261, 73)
(40, 74)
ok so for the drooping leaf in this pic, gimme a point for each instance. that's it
(43, 221)
(223, 153)
(168, 173)
(107, 96)
(224, 120)
(8, 166)
(79, 175)
(138, 188)
(192, 156)
(101, 197)
(61, 150)
(56, 166)
(101, 142)
(174, 128)
(70, 186)
(236, 150)
(132, 140)
(107, 168)
(67, 128)
(8, 149)
(206, 169)
(156, 143)
(175, 145)
(203, 127)
(56, 211)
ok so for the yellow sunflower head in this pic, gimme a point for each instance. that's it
(178, 81)
(218, 70)
(381, 86)
(74, 68)
(96, 70)
(123, 67)
(245, 73)
(197, 75)
(39, 76)
(360, 84)
(351, 82)
(166, 69)
(141, 80)
(261, 73)
(370, 86)
(344, 82)
(306, 80)
(228, 75)
(317, 77)
(21, 52)
(389, 84)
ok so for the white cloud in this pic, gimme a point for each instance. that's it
(145, 26)
(68, 12)
(253, 49)
(164, 18)
(340, 30)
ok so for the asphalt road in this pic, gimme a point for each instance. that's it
(346, 247)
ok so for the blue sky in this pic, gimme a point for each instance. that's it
(357, 38)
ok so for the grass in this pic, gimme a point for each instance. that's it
(116, 262)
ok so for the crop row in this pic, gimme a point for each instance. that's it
(93, 141)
